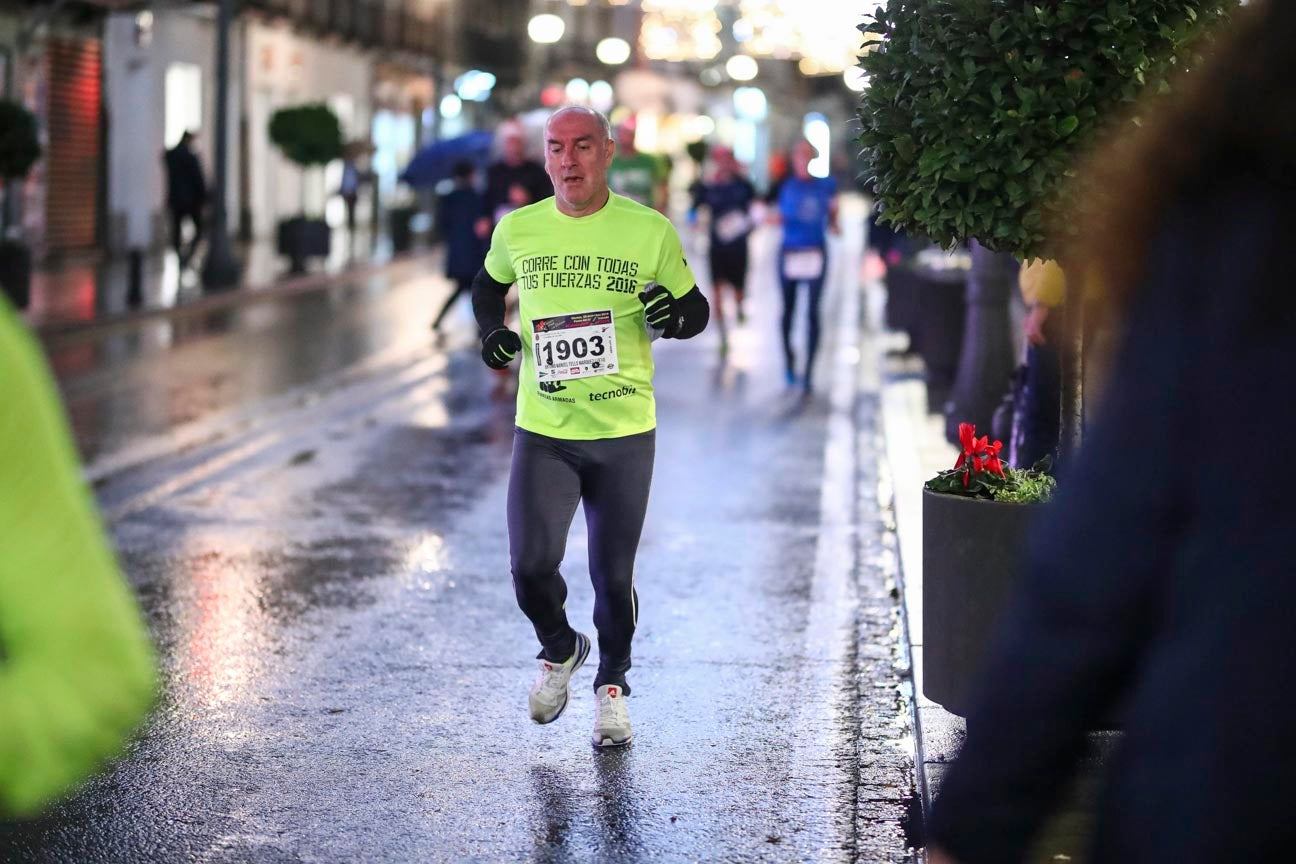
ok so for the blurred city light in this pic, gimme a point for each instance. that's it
(552, 96)
(701, 127)
(680, 30)
(612, 51)
(475, 85)
(601, 96)
(818, 133)
(546, 29)
(822, 33)
(451, 106)
(578, 91)
(750, 103)
(855, 79)
(741, 67)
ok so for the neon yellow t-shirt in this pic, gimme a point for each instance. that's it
(77, 672)
(587, 365)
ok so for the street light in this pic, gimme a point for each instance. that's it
(546, 29)
(741, 67)
(578, 91)
(602, 97)
(750, 103)
(612, 51)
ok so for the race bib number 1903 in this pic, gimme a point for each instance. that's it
(582, 345)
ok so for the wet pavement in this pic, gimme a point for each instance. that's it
(308, 497)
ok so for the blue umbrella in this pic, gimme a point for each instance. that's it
(435, 162)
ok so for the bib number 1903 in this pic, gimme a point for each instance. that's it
(581, 345)
(579, 348)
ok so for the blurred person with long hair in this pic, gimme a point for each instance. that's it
(1161, 586)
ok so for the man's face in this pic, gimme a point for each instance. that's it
(626, 137)
(802, 155)
(514, 149)
(724, 160)
(577, 156)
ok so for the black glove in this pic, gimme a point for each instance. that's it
(661, 310)
(499, 347)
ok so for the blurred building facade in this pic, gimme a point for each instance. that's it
(115, 82)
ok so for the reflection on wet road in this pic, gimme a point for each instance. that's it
(309, 500)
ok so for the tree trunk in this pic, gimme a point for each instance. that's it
(986, 359)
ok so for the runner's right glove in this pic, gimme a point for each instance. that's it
(499, 347)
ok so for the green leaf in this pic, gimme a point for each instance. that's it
(904, 146)
(1068, 125)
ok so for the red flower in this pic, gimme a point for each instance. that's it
(977, 455)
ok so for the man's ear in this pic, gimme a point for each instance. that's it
(611, 152)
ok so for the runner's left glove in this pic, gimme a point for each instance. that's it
(661, 310)
(499, 347)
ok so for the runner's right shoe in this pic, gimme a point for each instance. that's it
(611, 718)
(550, 691)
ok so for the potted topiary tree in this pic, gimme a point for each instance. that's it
(19, 150)
(309, 136)
(974, 115)
(976, 111)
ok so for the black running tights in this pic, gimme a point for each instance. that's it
(549, 478)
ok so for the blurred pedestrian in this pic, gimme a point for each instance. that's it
(728, 196)
(637, 175)
(77, 670)
(186, 195)
(1162, 582)
(1037, 416)
(513, 180)
(807, 209)
(600, 278)
(459, 217)
(349, 191)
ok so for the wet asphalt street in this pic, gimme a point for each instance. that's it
(308, 495)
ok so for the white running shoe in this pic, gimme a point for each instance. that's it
(549, 693)
(612, 718)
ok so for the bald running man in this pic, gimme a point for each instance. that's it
(599, 278)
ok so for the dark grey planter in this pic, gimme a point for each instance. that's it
(973, 552)
(902, 302)
(986, 360)
(942, 312)
(300, 239)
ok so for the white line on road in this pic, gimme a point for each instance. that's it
(818, 741)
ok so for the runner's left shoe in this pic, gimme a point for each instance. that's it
(612, 718)
(550, 692)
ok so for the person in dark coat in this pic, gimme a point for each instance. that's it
(1163, 585)
(514, 180)
(458, 215)
(186, 195)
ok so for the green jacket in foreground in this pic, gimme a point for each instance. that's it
(77, 669)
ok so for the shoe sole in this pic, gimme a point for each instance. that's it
(609, 742)
(583, 648)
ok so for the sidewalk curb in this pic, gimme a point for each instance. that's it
(252, 293)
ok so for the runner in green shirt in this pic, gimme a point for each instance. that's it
(77, 669)
(599, 278)
(636, 175)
